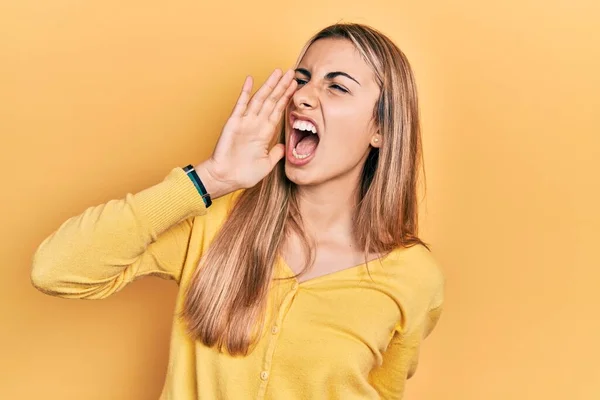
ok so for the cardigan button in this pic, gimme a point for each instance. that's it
(274, 329)
(264, 375)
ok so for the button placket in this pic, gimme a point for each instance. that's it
(275, 329)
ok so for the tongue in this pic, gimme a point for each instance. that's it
(307, 145)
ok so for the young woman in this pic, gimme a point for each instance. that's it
(305, 279)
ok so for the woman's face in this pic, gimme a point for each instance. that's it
(335, 98)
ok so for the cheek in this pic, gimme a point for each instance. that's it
(350, 125)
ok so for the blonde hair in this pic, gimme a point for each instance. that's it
(227, 297)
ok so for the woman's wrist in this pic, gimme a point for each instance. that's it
(216, 186)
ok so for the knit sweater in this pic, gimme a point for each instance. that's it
(350, 334)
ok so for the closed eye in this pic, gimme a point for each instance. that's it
(338, 87)
(334, 86)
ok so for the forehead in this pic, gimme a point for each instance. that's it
(328, 55)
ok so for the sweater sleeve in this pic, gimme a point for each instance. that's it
(98, 252)
(402, 357)
(422, 305)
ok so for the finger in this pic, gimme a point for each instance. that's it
(283, 102)
(262, 93)
(242, 102)
(276, 94)
(276, 154)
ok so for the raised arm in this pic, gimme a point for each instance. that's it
(98, 252)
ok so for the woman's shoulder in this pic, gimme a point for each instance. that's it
(416, 266)
(416, 257)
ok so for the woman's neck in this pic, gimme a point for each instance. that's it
(328, 208)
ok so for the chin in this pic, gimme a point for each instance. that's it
(302, 176)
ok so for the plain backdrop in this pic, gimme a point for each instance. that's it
(102, 98)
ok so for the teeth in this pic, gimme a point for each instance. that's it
(299, 156)
(302, 125)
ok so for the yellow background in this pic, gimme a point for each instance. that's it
(98, 99)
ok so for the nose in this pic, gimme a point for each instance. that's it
(305, 97)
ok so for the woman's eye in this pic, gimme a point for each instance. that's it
(334, 86)
(338, 87)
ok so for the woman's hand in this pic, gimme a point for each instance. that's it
(242, 156)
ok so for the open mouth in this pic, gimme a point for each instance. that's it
(304, 140)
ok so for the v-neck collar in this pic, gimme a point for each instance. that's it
(289, 273)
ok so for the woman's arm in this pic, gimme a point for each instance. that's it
(401, 358)
(420, 292)
(98, 252)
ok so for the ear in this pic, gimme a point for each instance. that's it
(376, 140)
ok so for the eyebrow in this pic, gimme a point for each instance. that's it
(329, 75)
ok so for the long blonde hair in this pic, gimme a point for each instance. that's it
(227, 296)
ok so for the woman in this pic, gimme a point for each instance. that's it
(305, 279)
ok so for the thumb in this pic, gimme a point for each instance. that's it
(276, 154)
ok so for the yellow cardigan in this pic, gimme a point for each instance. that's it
(345, 335)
